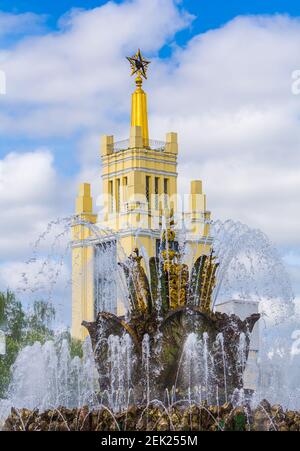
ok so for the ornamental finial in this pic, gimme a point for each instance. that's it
(138, 65)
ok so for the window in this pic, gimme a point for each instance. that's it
(156, 191)
(166, 188)
(118, 194)
(148, 190)
(124, 193)
(111, 196)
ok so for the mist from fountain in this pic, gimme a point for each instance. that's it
(249, 269)
(45, 377)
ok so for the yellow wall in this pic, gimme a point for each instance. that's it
(82, 264)
(131, 209)
(127, 202)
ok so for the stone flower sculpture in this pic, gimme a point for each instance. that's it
(165, 311)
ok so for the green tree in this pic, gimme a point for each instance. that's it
(12, 316)
(75, 346)
(38, 323)
(21, 330)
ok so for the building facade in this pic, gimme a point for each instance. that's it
(139, 184)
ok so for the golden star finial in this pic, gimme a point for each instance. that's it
(138, 64)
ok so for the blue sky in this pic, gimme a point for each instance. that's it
(210, 14)
(222, 82)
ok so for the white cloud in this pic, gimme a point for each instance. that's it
(16, 24)
(28, 177)
(31, 194)
(229, 96)
(46, 279)
(34, 253)
(78, 74)
(227, 93)
(34, 276)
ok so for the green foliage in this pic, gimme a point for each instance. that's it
(12, 316)
(12, 349)
(76, 348)
(38, 323)
(2, 309)
(240, 422)
(21, 329)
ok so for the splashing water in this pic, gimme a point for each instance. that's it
(199, 368)
(45, 377)
(120, 360)
(146, 363)
(249, 269)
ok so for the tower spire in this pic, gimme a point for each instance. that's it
(139, 113)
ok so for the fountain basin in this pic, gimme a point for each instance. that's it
(187, 350)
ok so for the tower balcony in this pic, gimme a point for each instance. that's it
(119, 146)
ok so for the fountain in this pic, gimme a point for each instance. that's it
(171, 347)
(169, 358)
(170, 320)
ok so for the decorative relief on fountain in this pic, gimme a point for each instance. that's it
(172, 311)
(167, 302)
